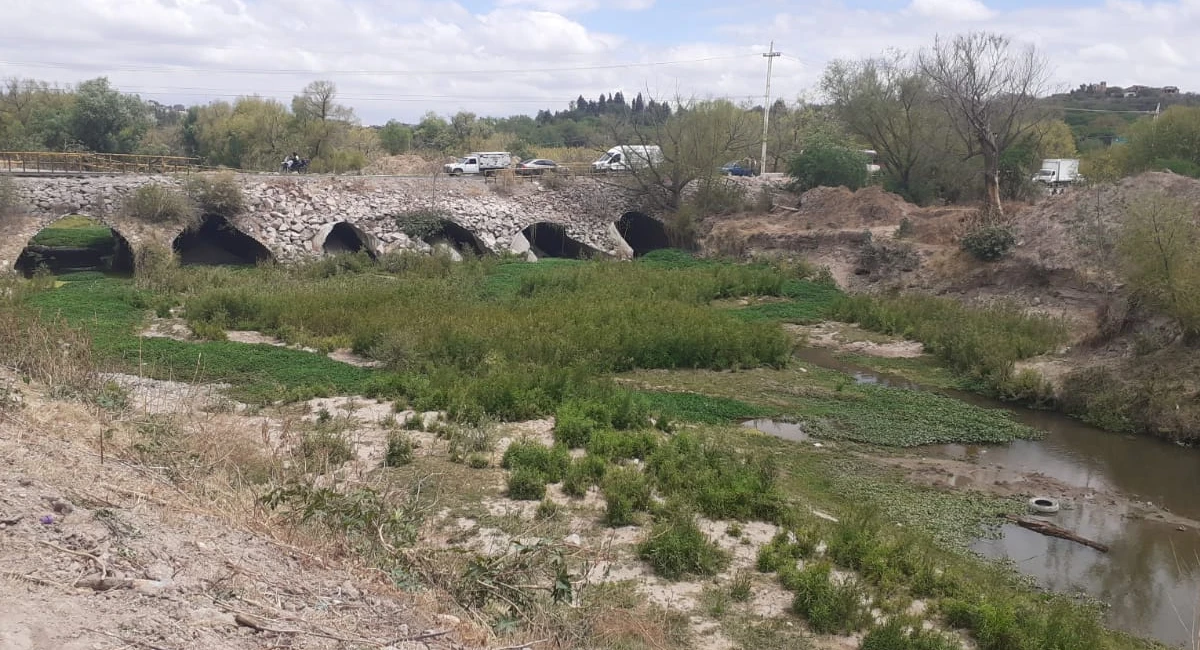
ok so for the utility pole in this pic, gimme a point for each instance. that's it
(770, 56)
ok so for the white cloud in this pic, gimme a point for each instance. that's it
(578, 6)
(951, 10)
(400, 59)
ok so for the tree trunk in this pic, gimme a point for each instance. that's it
(991, 174)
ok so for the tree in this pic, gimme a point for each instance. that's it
(106, 121)
(695, 142)
(989, 91)
(321, 119)
(887, 102)
(826, 163)
(396, 137)
(1167, 141)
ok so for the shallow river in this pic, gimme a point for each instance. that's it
(1150, 576)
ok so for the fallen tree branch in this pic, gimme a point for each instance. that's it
(98, 561)
(247, 620)
(1050, 530)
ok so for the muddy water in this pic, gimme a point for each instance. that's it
(1150, 578)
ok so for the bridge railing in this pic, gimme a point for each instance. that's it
(48, 162)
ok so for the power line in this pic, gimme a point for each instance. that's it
(1104, 110)
(269, 71)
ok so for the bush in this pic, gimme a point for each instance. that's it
(829, 608)
(721, 484)
(399, 450)
(526, 484)
(785, 548)
(218, 194)
(676, 547)
(989, 243)
(550, 463)
(548, 509)
(155, 203)
(898, 634)
(326, 448)
(582, 474)
(626, 491)
(825, 164)
(573, 426)
(477, 461)
(622, 445)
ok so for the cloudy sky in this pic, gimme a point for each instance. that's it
(400, 58)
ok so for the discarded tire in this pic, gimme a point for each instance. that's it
(1043, 505)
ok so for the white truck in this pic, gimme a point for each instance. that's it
(479, 162)
(627, 157)
(1058, 172)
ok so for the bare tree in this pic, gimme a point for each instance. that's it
(989, 89)
(320, 117)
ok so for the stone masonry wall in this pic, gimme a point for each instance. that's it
(292, 215)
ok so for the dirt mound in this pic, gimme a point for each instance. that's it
(838, 207)
(403, 165)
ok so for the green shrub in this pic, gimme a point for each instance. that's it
(989, 243)
(582, 474)
(218, 194)
(829, 165)
(156, 203)
(785, 548)
(477, 461)
(741, 587)
(325, 447)
(399, 450)
(551, 463)
(900, 634)
(623, 445)
(721, 484)
(999, 622)
(676, 547)
(573, 426)
(828, 608)
(626, 491)
(548, 509)
(526, 484)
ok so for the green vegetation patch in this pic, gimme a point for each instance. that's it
(75, 232)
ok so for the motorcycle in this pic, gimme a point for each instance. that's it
(297, 167)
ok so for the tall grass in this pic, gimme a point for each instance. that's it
(982, 342)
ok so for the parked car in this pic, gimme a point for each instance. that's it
(536, 166)
(736, 168)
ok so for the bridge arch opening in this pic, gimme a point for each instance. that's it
(345, 237)
(551, 240)
(643, 233)
(216, 242)
(448, 233)
(76, 243)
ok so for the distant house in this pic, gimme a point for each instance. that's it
(1170, 90)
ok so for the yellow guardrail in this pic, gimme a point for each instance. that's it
(46, 162)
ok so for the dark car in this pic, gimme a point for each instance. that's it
(536, 166)
(737, 169)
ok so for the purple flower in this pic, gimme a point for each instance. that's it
(47, 520)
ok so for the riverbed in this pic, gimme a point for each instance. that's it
(1138, 495)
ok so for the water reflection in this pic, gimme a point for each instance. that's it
(786, 430)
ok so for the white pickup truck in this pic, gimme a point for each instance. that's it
(479, 162)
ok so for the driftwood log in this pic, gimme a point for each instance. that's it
(1049, 529)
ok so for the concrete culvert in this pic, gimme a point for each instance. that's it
(643, 233)
(448, 233)
(76, 243)
(346, 238)
(217, 243)
(552, 240)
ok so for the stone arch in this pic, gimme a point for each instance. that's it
(446, 232)
(344, 237)
(93, 245)
(642, 232)
(551, 240)
(216, 242)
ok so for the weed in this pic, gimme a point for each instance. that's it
(325, 447)
(676, 547)
(156, 203)
(367, 517)
(621, 445)
(785, 548)
(899, 634)
(582, 474)
(548, 509)
(399, 450)
(218, 194)
(734, 530)
(526, 484)
(829, 608)
(478, 461)
(741, 587)
(721, 484)
(550, 463)
(626, 491)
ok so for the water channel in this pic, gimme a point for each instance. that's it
(1150, 578)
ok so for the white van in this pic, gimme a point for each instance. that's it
(627, 157)
(479, 162)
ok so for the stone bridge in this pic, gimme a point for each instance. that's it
(291, 218)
